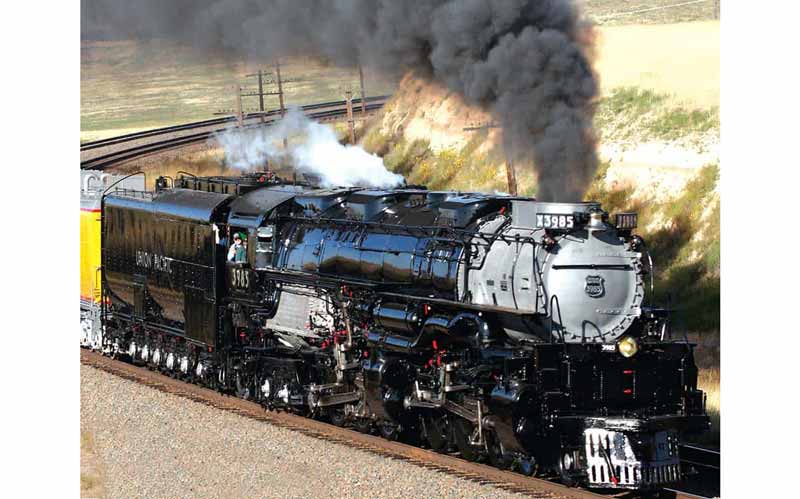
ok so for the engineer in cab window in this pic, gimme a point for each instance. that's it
(238, 250)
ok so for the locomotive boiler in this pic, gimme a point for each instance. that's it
(511, 330)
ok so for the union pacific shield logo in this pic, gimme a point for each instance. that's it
(594, 286)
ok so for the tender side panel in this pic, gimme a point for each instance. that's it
(160, 260)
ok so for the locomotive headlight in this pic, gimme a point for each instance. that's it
(627, 346)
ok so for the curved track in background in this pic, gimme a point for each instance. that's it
(102, 154)
(250, 117)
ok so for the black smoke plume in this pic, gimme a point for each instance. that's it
(528, 61)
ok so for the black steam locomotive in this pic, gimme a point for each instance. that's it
(512, 330)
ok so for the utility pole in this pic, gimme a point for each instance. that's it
(363, 93)
(239, 114)
(279, 81)
(280, 86)
(261, 94)
(511, 175)
(280, 97)
(351, 125)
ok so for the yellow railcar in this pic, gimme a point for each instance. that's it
(90, 254)
(92, 186)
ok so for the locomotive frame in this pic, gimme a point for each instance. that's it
(386, 311)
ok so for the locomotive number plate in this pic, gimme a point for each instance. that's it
(555, 221)
(240, 278)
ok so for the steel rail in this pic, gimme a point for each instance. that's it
(702, 468)
(699, 456)
(87, 146)
(113, 158)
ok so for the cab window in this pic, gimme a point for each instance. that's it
(265, 246)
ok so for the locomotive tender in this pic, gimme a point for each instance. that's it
(512, 330)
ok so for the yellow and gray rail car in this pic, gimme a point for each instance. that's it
(93, 184)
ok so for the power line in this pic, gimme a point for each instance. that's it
(650, 9)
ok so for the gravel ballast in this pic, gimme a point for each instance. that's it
(152, 444)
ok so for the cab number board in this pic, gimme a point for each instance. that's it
(240, 278)
(555, 221)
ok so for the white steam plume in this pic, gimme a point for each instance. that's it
(313, 148)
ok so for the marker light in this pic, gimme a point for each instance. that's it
(627, 346)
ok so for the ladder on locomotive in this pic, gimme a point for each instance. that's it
(97, 291)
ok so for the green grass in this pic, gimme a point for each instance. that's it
(676, 123)
(632, 101)
(632, 113)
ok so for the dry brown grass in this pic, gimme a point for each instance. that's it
(91, 474)
(681, 60)
(707, 354)
(709, 381)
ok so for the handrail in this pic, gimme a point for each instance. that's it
(124, 178)
(554, 301)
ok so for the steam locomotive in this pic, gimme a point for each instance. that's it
(513, 331)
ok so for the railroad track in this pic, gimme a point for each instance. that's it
(701, 467)
(452, 465)
(119, 139)
(700, 457)
(123, 149)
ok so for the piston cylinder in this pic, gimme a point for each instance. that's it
(397, 317)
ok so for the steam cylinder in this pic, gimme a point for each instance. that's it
(397, 317)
